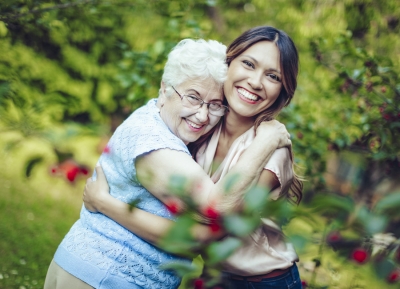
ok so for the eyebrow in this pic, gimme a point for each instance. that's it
(255, 60)
(198, 95)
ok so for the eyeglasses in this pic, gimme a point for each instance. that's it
(195, 102)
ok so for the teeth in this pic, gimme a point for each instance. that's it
(247, 94)
(192, 124)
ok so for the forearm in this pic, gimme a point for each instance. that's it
(147, 226)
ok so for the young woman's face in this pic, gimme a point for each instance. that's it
(186, 122)
(254, 79)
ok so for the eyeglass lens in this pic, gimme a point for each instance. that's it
(195, 102)
(214, 108)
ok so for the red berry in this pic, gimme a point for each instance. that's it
(172, 207)
(381, 109)
(393, 276)
(387, 116)
(215, 227)
(198, 283)
(333, 237)
(83, 170)
(360, 255)
(211, 213)
(53, 170)
(71, 173)
(304, 284)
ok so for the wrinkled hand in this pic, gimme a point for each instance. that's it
(96, 192)
(273, 130)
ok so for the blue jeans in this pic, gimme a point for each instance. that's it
(287, 280)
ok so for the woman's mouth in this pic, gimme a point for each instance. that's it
(247, 96)
(194, 126)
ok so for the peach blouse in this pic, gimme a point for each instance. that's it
(265, 249)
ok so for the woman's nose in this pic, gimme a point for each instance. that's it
(255, 81)
(202, 113)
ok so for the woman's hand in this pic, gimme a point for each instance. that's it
(96, 192)
(273, 130)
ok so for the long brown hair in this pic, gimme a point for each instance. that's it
(289, 62)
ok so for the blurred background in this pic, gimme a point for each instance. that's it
(71, 71)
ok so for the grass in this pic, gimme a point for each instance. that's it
(32, 224)
(35, 214)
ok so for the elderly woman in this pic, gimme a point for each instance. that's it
(98, 252)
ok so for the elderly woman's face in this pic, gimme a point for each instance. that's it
(186, 122)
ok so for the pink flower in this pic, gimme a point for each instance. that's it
(107, 150)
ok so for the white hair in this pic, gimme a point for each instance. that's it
(195, 59)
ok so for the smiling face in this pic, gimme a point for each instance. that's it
(188, 123)
(254, 80)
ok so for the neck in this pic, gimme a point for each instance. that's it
(235, 125)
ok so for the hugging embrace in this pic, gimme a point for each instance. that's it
(213, 119)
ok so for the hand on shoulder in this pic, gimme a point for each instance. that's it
(274, 131)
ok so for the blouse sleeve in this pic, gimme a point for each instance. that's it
(140, 134)
(281, 165)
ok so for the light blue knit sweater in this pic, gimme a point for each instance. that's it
(99, 251)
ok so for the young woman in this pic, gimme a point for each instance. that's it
(262, 72)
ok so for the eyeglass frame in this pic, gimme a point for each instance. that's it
(203, 102)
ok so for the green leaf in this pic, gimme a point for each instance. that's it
(362, 214)
(379, 155)
(395, 124)
(177, 185)
(62, 156)
(133, 204)
(375, 224)
(31, 164)
(179, 239)
(391, 201)
(383, 268)
(230, 182)
(256, 199)
(281, 211)
(220, 251)
(181, 268)
(332, 203)
(298, 241)
(239, 225)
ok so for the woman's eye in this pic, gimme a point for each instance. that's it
(274, 77)
(248, 63)
(193, 97)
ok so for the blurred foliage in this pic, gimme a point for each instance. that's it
(73, 69)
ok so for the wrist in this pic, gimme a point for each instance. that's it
(102, 201)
